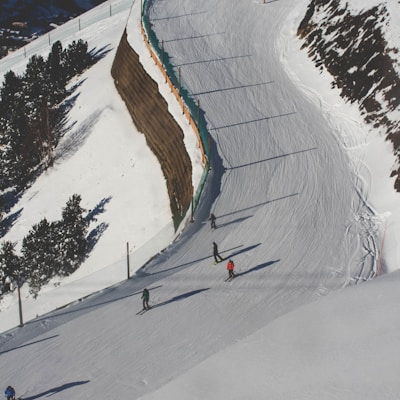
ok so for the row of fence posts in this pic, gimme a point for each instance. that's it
(79, 28)
(198, 117)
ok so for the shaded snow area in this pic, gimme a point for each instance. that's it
(305, 208)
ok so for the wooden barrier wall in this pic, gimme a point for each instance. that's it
(174, 90)
(149, 112)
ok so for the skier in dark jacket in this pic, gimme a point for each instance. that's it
(216, 253)
(10, 393)
(213, 219)
(146, 298)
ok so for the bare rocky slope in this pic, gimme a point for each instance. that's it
(358, 57)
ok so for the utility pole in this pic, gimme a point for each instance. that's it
(127, 259)
(21, 322)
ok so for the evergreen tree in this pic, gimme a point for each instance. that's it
(36, 85)
(38, 92)
(11, 94)
(12, 164)
(10, 263)
(41, 255)
(35, 90)
(2, 207)
(28, 112)
(73, 230)
(57, 73)
(13, 125)
(77, 58)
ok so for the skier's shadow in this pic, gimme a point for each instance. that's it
(55, 390)
(180, 297)
(257, 267)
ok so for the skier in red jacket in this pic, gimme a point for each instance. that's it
(230, 267)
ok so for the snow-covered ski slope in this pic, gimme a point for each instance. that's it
(288, 192)
(289, 212)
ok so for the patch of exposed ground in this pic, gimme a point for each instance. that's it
(353, 49)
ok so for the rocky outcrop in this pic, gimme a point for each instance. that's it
(353, 49)
(150, 114)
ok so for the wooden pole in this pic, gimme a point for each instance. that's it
(127, 259)
(179, 81)
(198, 115)
(21, 321)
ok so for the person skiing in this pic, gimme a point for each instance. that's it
(10, 393)
(146, 298)
(216, 253)
(230, 267)
(213, 219)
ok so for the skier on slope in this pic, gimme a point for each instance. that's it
(230, 267)
(10, 393)
(216, 253)
(213, 219)
(146, 298)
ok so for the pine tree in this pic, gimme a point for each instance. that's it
(77, 58)
(13, 167)
(29, 111)
(13, 125)
(36, 85)
(40, 249)
(57, 74)
(73, 229)
(10, 262)
(11, 94)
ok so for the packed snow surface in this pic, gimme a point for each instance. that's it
(302, 209)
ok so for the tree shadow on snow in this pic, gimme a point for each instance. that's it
(7, 223)
(180, 297)
(98, 209)
(96, 233)
(75, 140)
(55, 390)
(98, 54)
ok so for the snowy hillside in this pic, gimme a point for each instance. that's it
(357, 43)
(23, 21)
(304, 207)
(42, 12)
(105, 160)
